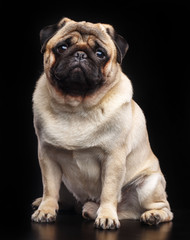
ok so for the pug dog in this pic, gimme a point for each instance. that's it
(92, 135)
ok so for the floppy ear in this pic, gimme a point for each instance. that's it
(122, 47)
(120, 43)
(46, 33)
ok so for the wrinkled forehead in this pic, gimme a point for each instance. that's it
(84, 29)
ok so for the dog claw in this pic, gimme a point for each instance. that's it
(107, 223)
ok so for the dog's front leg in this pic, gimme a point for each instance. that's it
(113, 173)
(51, 176)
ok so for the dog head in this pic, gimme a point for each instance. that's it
(80, 58)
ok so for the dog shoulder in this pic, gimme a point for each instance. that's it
(40, 95)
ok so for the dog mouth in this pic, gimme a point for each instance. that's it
(77, 74)
(76, 80)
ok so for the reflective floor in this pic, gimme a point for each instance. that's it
(71, 227)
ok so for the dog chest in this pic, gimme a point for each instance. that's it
(82, 173)
(74, 133)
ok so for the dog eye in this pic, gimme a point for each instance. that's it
(62, 48)
(100, 53)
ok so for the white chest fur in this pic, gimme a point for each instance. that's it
(82, 175)
(81, 171)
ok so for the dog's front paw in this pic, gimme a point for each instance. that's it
(107, 223)
(107, 218)
(42, 215)
(46, 212)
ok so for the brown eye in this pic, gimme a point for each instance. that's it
(100, 53)
(62, 48)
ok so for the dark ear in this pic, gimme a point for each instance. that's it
(122, 47)
(120, 43)
(46, 33)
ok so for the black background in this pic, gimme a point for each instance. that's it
(157, 63)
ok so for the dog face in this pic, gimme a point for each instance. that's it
(81, 57)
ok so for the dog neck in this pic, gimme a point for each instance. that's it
(107, 93)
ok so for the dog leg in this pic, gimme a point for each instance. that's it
(51, 176)
(153, 200)
(113, 173)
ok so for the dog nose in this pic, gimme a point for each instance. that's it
(80, 55)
